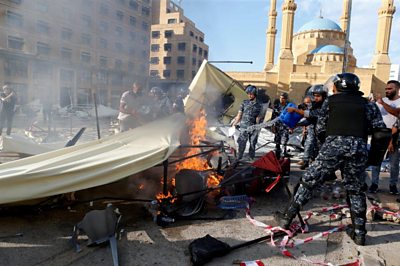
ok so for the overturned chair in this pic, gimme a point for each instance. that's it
(100, 226)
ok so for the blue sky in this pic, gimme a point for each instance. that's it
(235, 29)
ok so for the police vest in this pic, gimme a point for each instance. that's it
(347, 116)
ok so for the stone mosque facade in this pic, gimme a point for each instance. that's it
(316, 52)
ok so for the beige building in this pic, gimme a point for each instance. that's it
(316, 52)
(66, 52)
(177, 46)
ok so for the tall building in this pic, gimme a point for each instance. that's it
(317, 51)
(394, 72)
(177, 46)
(67, 50)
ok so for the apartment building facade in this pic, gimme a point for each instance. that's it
(177, 47)
(68, 50)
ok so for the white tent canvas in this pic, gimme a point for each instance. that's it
(90, 164)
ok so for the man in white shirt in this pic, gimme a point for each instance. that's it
(390, 110)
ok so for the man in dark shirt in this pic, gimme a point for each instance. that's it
(8, 100)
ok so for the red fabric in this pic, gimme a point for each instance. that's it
(272, 185)
(268, 162)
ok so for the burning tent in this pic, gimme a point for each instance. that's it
(216, 92)
(90, 164)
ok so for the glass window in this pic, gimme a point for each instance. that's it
(145, 11)
(66, 13)
(120, 15)
(155, 47)
(86, 38)
(118, 64)
(194, 48)
(167, 73)
(168, 33)
(14, 19)
(154, 73)
(145, 25)
(103, 61)
(104, 9)
(85, 57)
(43, 48)
(66, 53)
(167, 60)
(200, 51)
(154, 60)
(66, 34)
(191, 33)
(201, 39)
(180, 74)
(132, 20)
(119, 32)
(181, 46)
(172, 21)
(133, 4)
(15, 43)
(103, 43)
(16, 67)
(194, 60)
(87, 21)
(155, 34)
(102, 75)
(205, 54)
(168, 47)
(43, 27)
(103, 26)
(181, 60)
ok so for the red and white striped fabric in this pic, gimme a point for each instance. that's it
(252, 263)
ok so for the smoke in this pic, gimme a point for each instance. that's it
(72, 53)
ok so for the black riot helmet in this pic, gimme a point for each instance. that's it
(347, 82)
(318, 89)
(251, 89)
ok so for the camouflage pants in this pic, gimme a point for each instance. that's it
(281, 134)
(310, 145)
(349, 154)
(252, 137)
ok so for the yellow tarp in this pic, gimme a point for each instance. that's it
(90, 164)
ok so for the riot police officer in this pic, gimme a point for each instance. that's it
(249, 114)
(280, 130)
(348, 117)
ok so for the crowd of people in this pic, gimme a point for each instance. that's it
(138, 108)
(335, 129)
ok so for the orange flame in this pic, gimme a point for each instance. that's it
(197, 133)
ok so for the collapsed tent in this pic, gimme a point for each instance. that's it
(90, 164)
(216, 92)
(25, 145)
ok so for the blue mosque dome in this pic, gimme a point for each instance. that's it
(320, 24)
(331, 49)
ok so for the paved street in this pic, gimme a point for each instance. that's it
(46, 233)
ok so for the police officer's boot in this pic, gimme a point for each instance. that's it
(358, 212)
(356, 230)
(284, 219)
